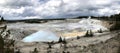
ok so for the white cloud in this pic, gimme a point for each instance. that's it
(14, 9)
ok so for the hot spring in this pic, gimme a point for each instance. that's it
(42, 35)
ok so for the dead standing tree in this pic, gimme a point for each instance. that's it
(6, 44)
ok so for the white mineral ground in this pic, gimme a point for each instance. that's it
(51, 31)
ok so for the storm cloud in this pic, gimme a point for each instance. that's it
(27, 9)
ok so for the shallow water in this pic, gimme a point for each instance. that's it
(42, 35)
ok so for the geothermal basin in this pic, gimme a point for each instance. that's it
(52, 30)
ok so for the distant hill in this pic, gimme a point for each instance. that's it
(115, 17)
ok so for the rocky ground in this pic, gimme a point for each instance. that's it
(106, 42)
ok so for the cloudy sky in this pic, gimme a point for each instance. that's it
(26, 9)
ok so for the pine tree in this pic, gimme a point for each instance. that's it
(5, 27)
(100, 31)
(64, 41)
(49, 46)
(8, 31)
(91, 33)
(35, 50)
(60, 40)
(86, 34)
(2, 19)
(78, 37)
